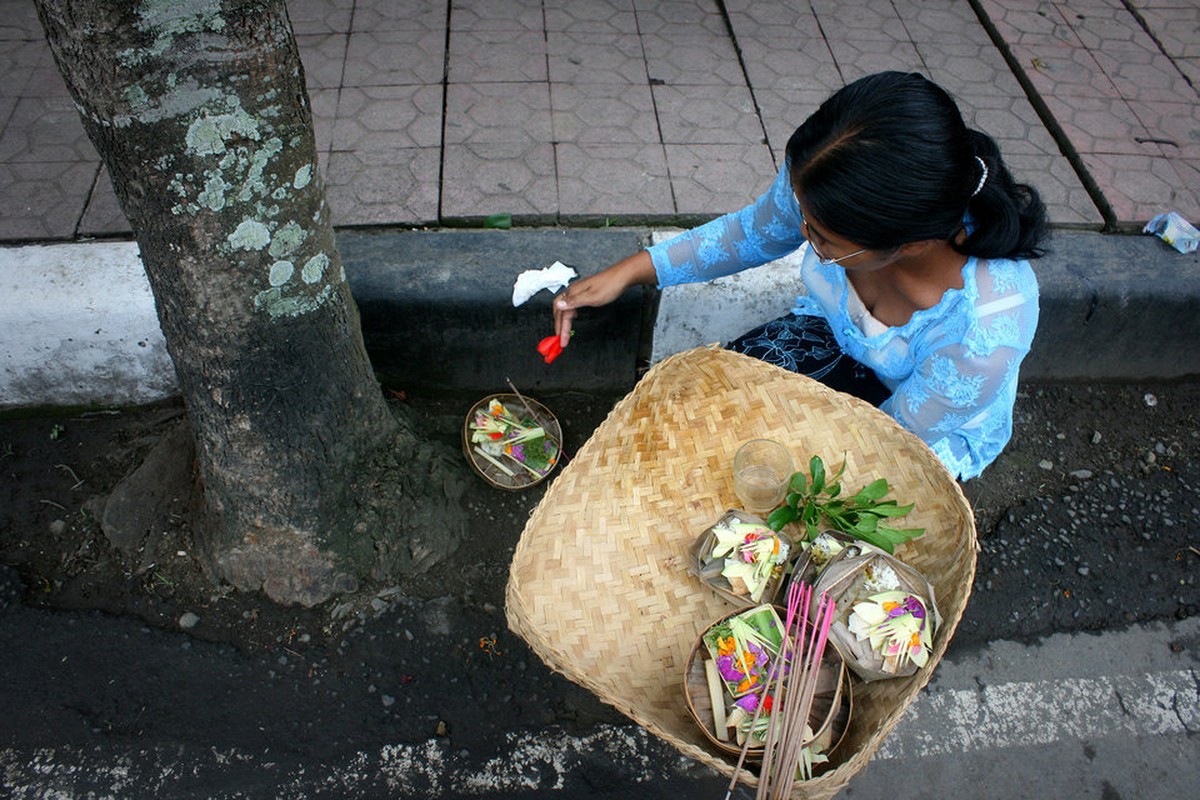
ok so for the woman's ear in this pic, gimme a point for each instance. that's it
(910, 249)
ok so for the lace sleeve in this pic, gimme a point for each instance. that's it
(767, 229)
(960, 396)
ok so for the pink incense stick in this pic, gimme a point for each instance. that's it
(799, 596)
(825, 615)
(774, 677)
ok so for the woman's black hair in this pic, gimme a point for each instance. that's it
(888, 160)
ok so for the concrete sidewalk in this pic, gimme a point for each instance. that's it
(442, 112)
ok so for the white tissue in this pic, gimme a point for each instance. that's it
(532, 281)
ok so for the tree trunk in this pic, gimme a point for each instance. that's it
(200, 113)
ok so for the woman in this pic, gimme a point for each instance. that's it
(920, 295)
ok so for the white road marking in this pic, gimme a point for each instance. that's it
(1133, 685)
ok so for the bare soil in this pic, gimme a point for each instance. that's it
(1121, 456)
(58, 469)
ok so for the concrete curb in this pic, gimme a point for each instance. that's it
(78, 324)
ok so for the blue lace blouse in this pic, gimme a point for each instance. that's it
(952, 369)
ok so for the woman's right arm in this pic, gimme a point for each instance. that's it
(767, 229)
(601, 289)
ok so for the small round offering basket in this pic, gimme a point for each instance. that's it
(829, 718)
(501, 464)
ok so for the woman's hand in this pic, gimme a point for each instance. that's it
(600, 289)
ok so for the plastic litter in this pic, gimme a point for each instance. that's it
(532, 281)
(1175, 231)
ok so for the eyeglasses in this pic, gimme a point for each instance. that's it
(820, 257)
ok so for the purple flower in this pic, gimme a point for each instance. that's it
(747, 703)
(518, 452)
(911, 606)
(729, 672)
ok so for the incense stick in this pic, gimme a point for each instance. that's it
(774, 676)
(793, 752)
(785, 741)
(786, 656)
(562, 453)
(521, 397)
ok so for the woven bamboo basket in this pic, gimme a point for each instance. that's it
(600, 585)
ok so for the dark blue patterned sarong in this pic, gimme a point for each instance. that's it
(805, 344)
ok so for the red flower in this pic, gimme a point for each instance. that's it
(550, 348)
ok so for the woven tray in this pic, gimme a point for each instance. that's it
(599, 585)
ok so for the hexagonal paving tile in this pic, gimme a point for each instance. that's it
(603, 113)
(388, 117)
(602, 180)
(710, 179)
(20, 21)
(588, 57)
(691, 56)
(602, 16)
(491, 55)
(783, 110)
(400, 15)
(324, 110)
(324, 57)
(18, 59)
(664, 16)
(801, 62)
(7, 104)
(1067, 201)
(1139, 73)
(1175, 126)
(45, 129)
(481, 179)
(43, 200)
(1140, 186)
(755, 17)
(488, 15)
(45, 80)
(1019, 18)
(320, 16)
(867, 39)
(103, 215)
(1175, 26)
(707, 115)
(383, 186)
(497, 112)
(392, 57)
(1098, 124)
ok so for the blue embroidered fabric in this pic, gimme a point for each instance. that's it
(952, 369)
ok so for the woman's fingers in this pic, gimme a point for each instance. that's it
(563, 315)
(581, 293)
(600, 289)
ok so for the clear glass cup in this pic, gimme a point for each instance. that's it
(762, 469)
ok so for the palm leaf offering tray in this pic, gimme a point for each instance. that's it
(512, 441)
(603, 586)
(734, 680)
(741, 559)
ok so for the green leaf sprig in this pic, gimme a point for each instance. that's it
(864, 515)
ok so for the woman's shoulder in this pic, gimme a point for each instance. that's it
(996, 278)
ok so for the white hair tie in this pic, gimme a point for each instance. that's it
(982, 178)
